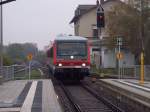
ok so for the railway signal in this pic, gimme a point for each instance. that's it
(100, 17)
(100, 21)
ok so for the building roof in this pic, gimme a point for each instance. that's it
(66, 37)
(83, 9)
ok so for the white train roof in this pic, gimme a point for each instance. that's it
(66, 37)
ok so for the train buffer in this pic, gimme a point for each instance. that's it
(28, 96)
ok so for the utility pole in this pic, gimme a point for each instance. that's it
(1, 40)
(1, 33)
(30, 57)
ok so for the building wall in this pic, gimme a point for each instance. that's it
(109, 59)
(87, 21)
(76, 28)
(105, 59)
(128, 60)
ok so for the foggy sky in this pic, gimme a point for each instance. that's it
(38, 21)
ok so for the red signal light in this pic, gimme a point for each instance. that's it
(100, 17)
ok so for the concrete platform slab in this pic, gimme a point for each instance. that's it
(9, 91)
(132, 88)
(29, 96)
(135, 84)
(127, 94)
(131, 85)
(50, 99)
(27, 105)
(9, 109)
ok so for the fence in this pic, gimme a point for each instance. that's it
(21, 72)
(132, 72)
(13, 72)
(146, 71)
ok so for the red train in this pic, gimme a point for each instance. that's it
(71, 57)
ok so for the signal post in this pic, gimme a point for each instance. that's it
(100, 21)
(29, 57)
(119, 56)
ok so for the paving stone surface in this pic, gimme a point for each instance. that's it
(9, 91)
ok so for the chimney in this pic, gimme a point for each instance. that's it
(97, 2)
(101, 1)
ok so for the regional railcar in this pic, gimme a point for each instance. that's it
(71, 57)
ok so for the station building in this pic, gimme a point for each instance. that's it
(85, 25)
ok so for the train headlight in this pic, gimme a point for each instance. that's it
(71, 57)
(59, 64)
(83, 64)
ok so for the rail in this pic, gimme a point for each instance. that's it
(79, 108)
(70, 97)
(104, 100)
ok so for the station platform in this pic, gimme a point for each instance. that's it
(129, 91)
(29, 96)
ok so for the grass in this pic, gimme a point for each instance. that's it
(110, 72)
(35, 74)
(102, 72)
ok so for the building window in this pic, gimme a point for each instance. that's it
(95, 49)
(106, 51)
(77, 29)
(94, 31)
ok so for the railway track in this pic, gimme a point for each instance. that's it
(84, 99)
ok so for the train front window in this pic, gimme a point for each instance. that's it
(71, 48)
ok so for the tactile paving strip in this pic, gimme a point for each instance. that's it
(37, 102)
(22, 96)
(20, 99)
